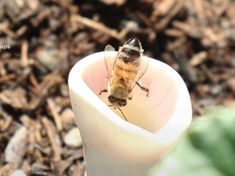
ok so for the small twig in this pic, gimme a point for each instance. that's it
(24, 54)
(21, 30)
(7, 77)
(174, 33)
(99, 26)
(55, 114)
(34, 81)
(189, 29)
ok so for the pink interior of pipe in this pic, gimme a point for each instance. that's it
(150, 112)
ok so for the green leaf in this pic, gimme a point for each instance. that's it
(208, 148)
(185, 160)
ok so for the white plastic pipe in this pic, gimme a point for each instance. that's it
(114, 146)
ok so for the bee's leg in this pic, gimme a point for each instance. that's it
(103, 91)
(143, 88)
(111, 105)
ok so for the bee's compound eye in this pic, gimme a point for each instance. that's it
(122, 102)
(112, 99)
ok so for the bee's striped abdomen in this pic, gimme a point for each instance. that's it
(127, 71)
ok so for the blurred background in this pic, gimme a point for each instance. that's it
(40, 40)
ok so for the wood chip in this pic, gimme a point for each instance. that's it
(21, 9)
(198, 58)
(16, 98)
(117, 2)
(162, 8)
(54, 138)
(46, 38)
(6, 170)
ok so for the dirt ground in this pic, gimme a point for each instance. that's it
(41, 40)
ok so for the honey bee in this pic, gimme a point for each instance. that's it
(124, 72)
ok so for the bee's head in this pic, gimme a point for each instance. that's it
(117, 101)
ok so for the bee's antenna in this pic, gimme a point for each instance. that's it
(114, 107)
(122, 113)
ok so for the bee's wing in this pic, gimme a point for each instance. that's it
(109, 60)
(144, 63)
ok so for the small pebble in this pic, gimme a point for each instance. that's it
(16, 148)
(67, 118)
(18, 173)
(73, 138)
